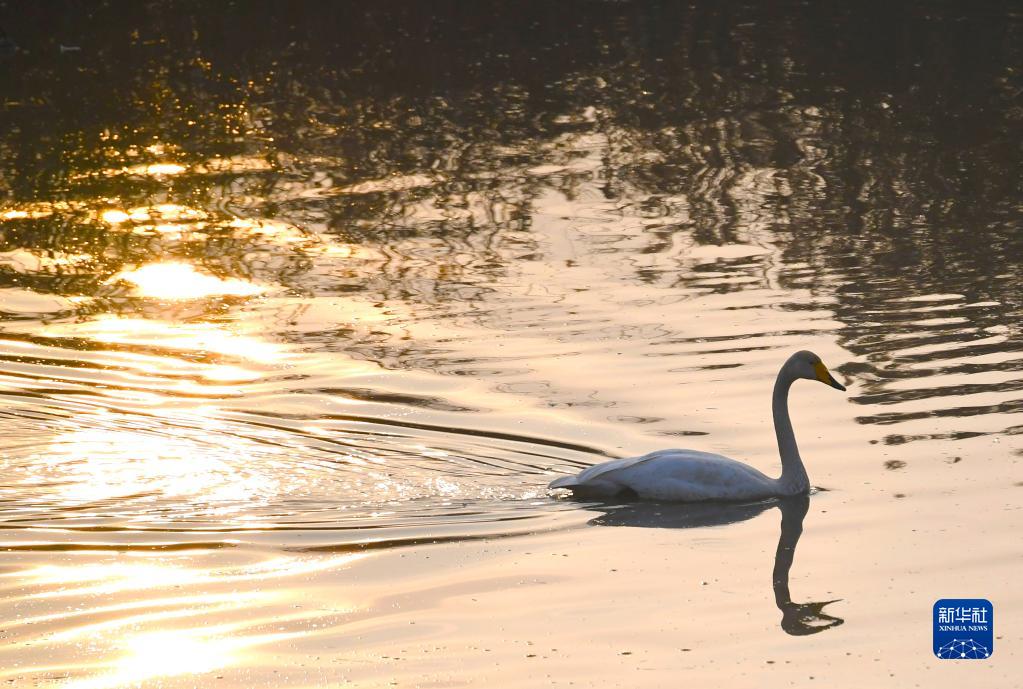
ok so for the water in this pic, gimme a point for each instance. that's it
(303, 307)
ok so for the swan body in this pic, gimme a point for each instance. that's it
(673, 475)
(692, 476)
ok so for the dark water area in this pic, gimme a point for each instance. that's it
(325, 293)
(883, 142)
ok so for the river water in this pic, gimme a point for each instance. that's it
(302, 306)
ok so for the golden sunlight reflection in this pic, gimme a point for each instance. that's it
(156, 169)
(203, 619)
(38, 209)
(241, 342)
(114, 216)
(165, 212)
(168, 212)
(173, 653)
(94, 465)
(105, 578)
(179, 652)
(26, 302)
(174, 280)
(148, 571)
(142, 170)
(23, 261)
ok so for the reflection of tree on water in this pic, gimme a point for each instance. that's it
(798, 619)
(821, 133)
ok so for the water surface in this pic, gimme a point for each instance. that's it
(302, 307)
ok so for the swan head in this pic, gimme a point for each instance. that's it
(808, 365)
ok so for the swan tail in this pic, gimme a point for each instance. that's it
(564, 482)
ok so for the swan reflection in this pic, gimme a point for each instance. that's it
(798, 619)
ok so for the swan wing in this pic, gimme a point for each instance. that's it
(591, 474)
(614, 465)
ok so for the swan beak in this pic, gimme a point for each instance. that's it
(824, 376)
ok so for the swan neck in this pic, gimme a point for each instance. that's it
(793, 474)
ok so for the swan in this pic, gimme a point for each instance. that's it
(692, 476)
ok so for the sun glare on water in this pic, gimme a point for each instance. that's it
(182, 281)
(156, 169)
(157, 619)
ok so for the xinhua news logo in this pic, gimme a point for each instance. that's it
(964, 628)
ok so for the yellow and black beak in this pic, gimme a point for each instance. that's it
(824, 376)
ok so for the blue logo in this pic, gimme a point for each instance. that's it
(964, 628)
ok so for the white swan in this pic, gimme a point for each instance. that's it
(690, 476)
